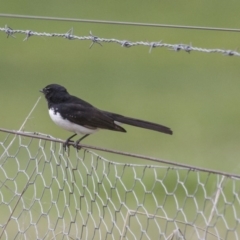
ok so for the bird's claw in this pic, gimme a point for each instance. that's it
(77, 146)
(66, 144)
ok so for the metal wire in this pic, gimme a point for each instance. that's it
(153, 159)
(118, 23)
(124, 43)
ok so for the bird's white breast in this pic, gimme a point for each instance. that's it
(69, 126)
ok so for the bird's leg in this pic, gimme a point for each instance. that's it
(65, 144)
(78, 141)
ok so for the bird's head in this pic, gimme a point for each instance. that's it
(55, 93)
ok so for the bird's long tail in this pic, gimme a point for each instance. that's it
(140, 123)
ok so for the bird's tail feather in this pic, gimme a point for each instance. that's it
(140, 123)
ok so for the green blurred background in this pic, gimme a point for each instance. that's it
(195, 94)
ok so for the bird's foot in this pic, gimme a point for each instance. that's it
(77, 146)
(66, 144)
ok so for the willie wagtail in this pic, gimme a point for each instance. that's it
(80, 117)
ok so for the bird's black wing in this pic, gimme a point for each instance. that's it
(88, 116)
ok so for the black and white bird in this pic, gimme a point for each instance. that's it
(75, 115)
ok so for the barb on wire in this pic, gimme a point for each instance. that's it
(69, 34)
(9, 31)
(95, 39)
(124, 43)
(184, 47)
(188, 48)
(176, 47)
(153, 45)
(29, 34)
(230, 53)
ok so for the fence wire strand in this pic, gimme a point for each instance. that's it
(124, 43)
(47, 137)
(7, 15)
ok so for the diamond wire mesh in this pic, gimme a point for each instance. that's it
(46, 194)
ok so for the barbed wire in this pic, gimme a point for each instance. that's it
(138, 24)
(124, 43)
(46, 137)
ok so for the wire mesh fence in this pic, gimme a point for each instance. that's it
(46, 193)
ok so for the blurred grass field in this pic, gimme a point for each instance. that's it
(195, 94)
